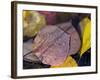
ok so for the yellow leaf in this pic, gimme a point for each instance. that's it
(85, 25)
(69, 62)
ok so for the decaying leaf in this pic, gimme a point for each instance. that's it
(54, 43)
(33, 22)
